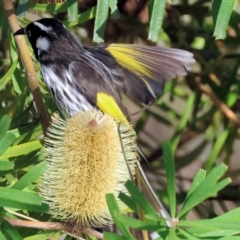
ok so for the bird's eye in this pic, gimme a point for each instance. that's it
(29, 33)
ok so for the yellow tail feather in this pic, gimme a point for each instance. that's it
(108, 105)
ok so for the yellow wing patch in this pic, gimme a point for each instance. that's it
(108, 105)
(127, 57)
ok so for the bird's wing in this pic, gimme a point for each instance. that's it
(141, 71)
(152, 64)
(123, 79)
(96, 85)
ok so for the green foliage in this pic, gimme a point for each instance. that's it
(192, 118)
(221, 14)
(170, 176)
(178, 228)
(72, 10)
(156, 11)
(100, 20)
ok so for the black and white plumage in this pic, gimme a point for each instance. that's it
(75, 73)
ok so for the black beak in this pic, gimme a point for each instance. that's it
(21, 31)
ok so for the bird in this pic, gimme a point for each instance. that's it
(83, 78)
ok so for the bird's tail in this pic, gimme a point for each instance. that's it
(145, 186)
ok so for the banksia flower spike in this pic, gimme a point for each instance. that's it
(88, 156)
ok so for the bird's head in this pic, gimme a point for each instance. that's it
(48, 37)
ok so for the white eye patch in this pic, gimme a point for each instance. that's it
(42, 43)
(42, 27)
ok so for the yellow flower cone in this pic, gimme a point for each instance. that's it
(87, 157)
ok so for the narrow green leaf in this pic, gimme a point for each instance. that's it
(6, 166)
(210, 228)
(5, 122)
(139, 125)
(83, 17)
(21, 111)
(232, 97)
(8, 111)
(100, 20)
(187, 235)
(159, 117)
(15, 198)
(10, 230)
(42, 236)
(2, 237)
(12, 49)
(205, 189)
(212, 178)
(22, 8)
(140, 199)
(199, 177)
(88, 237)
(229, 238)
(128, 201)
(27, 159)
(220, 230)
(168, 159)
(6, 142)
(113, 236)
(18, 132)
(156, 219)
(114, 9)
(137, 224)
(5, 79)
(199, 197)
(18, 196)
(218, 146)
(29, 132)
(21, 149)
(188, 109)
(172, 234)
(167, 108)
(72, 10)
(115, 213)
(31, 176)
(56, 7)
(18, 81)
(231, 216)
(222, 11)
(156, 18)
(159, 238)
(43, 208)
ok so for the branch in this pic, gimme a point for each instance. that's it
(222, 106)
(28, 64)
(66, 227)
